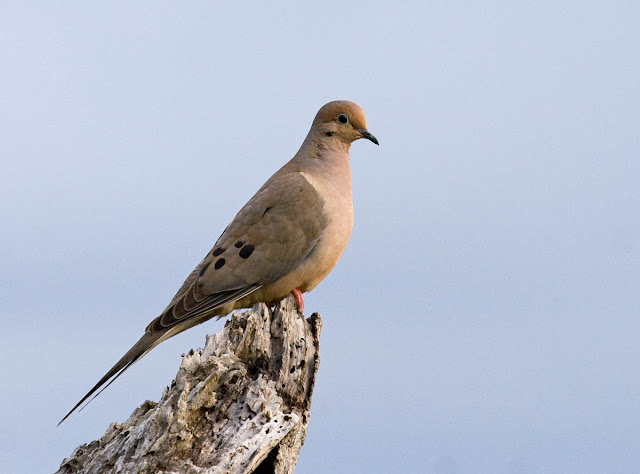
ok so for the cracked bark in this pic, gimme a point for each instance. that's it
(241, 405)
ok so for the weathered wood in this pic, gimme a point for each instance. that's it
(241, 405)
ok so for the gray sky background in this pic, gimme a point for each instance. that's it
(484, 317)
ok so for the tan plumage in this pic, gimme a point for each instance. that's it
(288, 236)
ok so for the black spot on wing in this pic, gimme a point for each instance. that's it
(218, 251)
(239, 244)
(246, 251)
(219, 263)
(204, 269)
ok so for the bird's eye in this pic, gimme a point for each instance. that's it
(343, 118)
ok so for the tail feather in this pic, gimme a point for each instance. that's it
(139, 349)
(158, 332)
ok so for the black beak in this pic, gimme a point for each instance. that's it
(366, 134)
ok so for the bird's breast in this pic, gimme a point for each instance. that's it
(338, 211)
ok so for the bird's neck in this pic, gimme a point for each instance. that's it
(325, 153)
(329, 161)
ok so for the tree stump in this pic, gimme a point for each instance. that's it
(241, 405)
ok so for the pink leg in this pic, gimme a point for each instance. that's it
(300, 302)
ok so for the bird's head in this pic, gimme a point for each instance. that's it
(342, 120)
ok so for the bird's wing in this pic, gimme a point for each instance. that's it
(270, 236)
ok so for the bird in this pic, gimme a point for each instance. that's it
(285, 239)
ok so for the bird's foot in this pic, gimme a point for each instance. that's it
(299, 301)
(271, 306)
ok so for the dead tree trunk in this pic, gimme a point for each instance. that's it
(241, 405)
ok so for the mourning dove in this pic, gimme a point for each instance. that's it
(287, 238)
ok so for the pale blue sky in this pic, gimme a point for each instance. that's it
(484, 317)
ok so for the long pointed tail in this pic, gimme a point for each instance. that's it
(139, 349)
